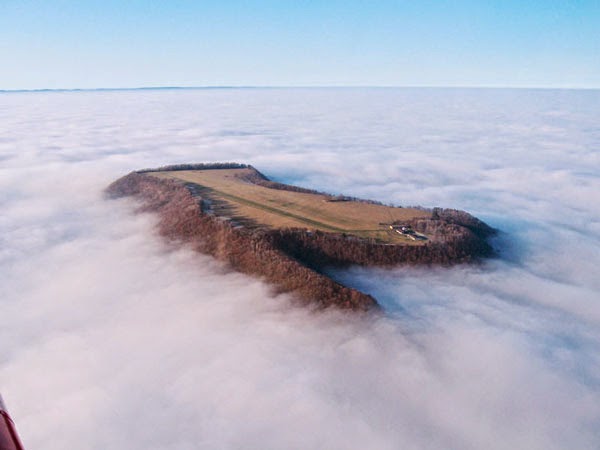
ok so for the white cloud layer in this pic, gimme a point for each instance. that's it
(112, 339)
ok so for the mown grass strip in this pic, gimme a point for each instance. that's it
(314, 223)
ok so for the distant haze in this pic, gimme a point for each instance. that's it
(113, 339)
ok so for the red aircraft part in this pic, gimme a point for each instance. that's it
(9, 439)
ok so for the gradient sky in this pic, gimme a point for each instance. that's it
(109, 43)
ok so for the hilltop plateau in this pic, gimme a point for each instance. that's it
(288, 234)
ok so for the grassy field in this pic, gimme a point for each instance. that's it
(256, 205)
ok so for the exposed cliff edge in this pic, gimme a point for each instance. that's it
(291, 258)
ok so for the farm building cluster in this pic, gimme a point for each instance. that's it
(407, 231)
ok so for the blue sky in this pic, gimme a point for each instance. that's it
(90, 44)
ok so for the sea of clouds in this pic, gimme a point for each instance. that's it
(113, 339)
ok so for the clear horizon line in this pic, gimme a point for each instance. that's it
(216, 87)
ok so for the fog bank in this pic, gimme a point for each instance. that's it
(112, 338)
